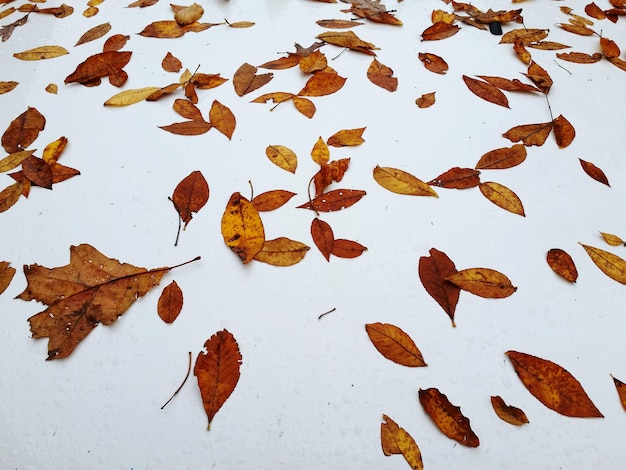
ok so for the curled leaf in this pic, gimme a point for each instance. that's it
(508, 413)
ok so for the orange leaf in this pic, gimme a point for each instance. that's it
(94, 33)
(520, 50)
(320, 153)
(433, 62)
(457, 178)
(610, 264)
(313, 62)
(334, 200)
(170, 303)
(245, 79)
(188, 127)
(548, 45)
(439, 30)
(338, 24)
(553, 386)
(347, 137)
(381, 75)
(486, 91)
(483, 282)
(400, 182)
(506, 157)
(187, 109)
(347, 39)
(562, 264)
(395, 344)
(171, 63)
(106, 64)
(282, 252)
(304, 105)
(171, 29)
(282, 157)
(508, 85)
(426, 100)
(272, 200)
(324, 82)
(594, 11)
(190, 195)
(395, 440)
(502, 197)
(447, 417)
(242, 228)
(564, 132)
(6, 275)
(217, 370)
(508, 413)
(323, 237)
(6, 87)
(529, 134)
(347, 248)
(580, 57)
(539, 77)
(206, 81)
(115, 43)
(621, 391)
(222, 118)
(433, 271)
(23, 130)
(595, 172)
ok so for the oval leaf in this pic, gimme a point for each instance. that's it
(595, 172)
(502, 158)
(43, 52)
(611, 239)
(564, 132)
(610, 264)
(23, 130)
(562, 264)
(222, 118)
(433, 271)
(502, 197)
(190, 195)
(347, 137)
(128, 97)
(457, 178)
(395, 344)
(343, 248)
(272, 200)
(484, 282)
(486, 91)
(282, 252)
(400, 182)
(170, 302)
(553, 386)
(323, 237)
(282, 157)
(242, 228)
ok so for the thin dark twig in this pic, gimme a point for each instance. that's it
(181, 385)
(326, 313)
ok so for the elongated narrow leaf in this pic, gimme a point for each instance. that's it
(553, 386)
(433, 272)
(562, 264)
(395, 440)
(448, 417)
(502, 158)
(43, 52)
(484, 282)
(128, 97)
(400, 182)
(188, 127)
(621, 391)
(610, 264)
(217, 370)
(393, 343)
(508, 413)
(334, 200)
(94, 33)
(457, 178)
(486, 91)
(502, 197)
(595, 172)
(323, 237)
(272, 200)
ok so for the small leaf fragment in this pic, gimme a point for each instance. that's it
(394, 344)
(170, 302)
(6, 87)
(508, 413)
(483, 282)
(447, 417)
(6, 275)
(426, 100)
(562, 264)
(401, 182)
(621, 391)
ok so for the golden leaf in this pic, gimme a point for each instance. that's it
(128, 97)
(282, 252)
(502, 197)
(320, 153)
(222, 118)
(611, 239)
(282, 157)
(242, 228)
(395, 440)
(610, 264)
(401, 182)
(394, 344)
(483, 282)
(43, 52)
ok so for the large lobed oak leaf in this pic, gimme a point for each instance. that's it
(91, 289)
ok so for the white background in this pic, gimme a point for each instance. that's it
(312, 392)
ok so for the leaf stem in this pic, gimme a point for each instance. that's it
(251, 190)
(181, 385)
(309, 194)
(179, 220)
(197, 258)
(549, 107)
(326, 313)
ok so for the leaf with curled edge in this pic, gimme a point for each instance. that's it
(190, 195)
(448, 417)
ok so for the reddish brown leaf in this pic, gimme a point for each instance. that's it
(433, 62)
(171, 63)
(217, 369)
(37, 171)
(553, 386)
(562, 264)
(188, 127)
(508, 413)
(483, 282)
(106, 64)
(621, 391)
(447, 417)
(170, 303)
(322, 83)
(426, 100)
(381, 75)
(501, 158)
(609, 48)
(564, 132)
(439, 30)
(529, 134)
(334, 200)
(190, 195)
(457, 178)
(222, 118)
(6, 275)
(171, 29)
(187, 109)
(519, 48)
(433, 271)
(206, 81)
(23, 130)
(486, 91)
(619, 63)
(61, 172)
(580, 57)
(115, 43)
(593, 171)
(245, 79)
(539, 77)
(272, 200)
(94, 33)
(594, 11)
(347, 248)
(323, 237)
(393, 343)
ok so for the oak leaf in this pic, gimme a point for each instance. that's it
(91, 289)
(439, 30)
(349, 40)
(447, 417)
(553, 386)
(595, 172)
(334, 200)
(502, 197)
(611, 239)
(346, 137)
(382, 76)
(426, 100)
(246, 80)
(323, 237)
(486, 91)
(610, 264)
(562, 263)
(394, 344)
(190, 195)
(621, 391)
(105, 64)
(529, 134)
(23, 130)
(272, 200)
(508, 413)
(42, 52)
(401, 182)
(433, 273)
(94, 33)
(242, 228)
(282, 252)
(6, 275)
(483, 282)
(170, 303)
(395, 440)
(283, 157)
(501, 158)
(217, 369)
(433, 62)
(343, 248)
(457, 178)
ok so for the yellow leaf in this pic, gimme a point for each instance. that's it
(128, 97)
(13, 160)
(347, 137)
(282, 157)
(502, 196)
(282, 252)
(483, 282)
(610, 264)
(395, 440)
(43, 52)
(320, 153)
(611, 239)
(401, 182)
(52, 88)
(6, 87)
(242, 228)
(53, 150)
(222, 119)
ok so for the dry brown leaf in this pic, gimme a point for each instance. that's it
(347, 39)
(313, 62)
(562, 264)
(483, 282)
(245, 79)
(94, 33)
(338, 24)
(594, 11)
(6, 275)
(91, 289)
(400, 182)
(610, 264)
(502, 197)
(529, 134)
(439, 30)
(142, 3)
(6, 87)
(282, 252)
(564, 132)
(539, 77)
(106, 64)
(187, 109)
(205, 81)
(217, 370)
(10, 195)
(304, 105)
(272, 200)
(43, 52)
(241, 24)
(37, 171)
(527, 36)
(347, 137)
(502, 158)
(395, 440)
(343, 248)
(433, 62)
(222, 118)
(611, 239)
(433, 271)
(621, 391)
(171, 29)
(548, 45)
(593, 171)
(553, 386)
(283, 157)
(7, 30)
(457, 178)
(609, 48)
(23, 130)
(190, 195)
(52, 88)
(519, 48)
(577, 29)
(171, 63)
(426, 100)
(373, 10)
(322, 83)
(447, 417)
(619, 63)
(115, 43)
(394, 344)
(323, 237)
(188, 127)
(189, 15)
(329, 173)
(128, 97)
(15, 159)
(170, 303)
(486, 91)
(382, 76)
(508, 413)
(334, 200)
(242, 228)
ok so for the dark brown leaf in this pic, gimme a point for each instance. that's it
(433, 271)
(593, 171)
(457, 178)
